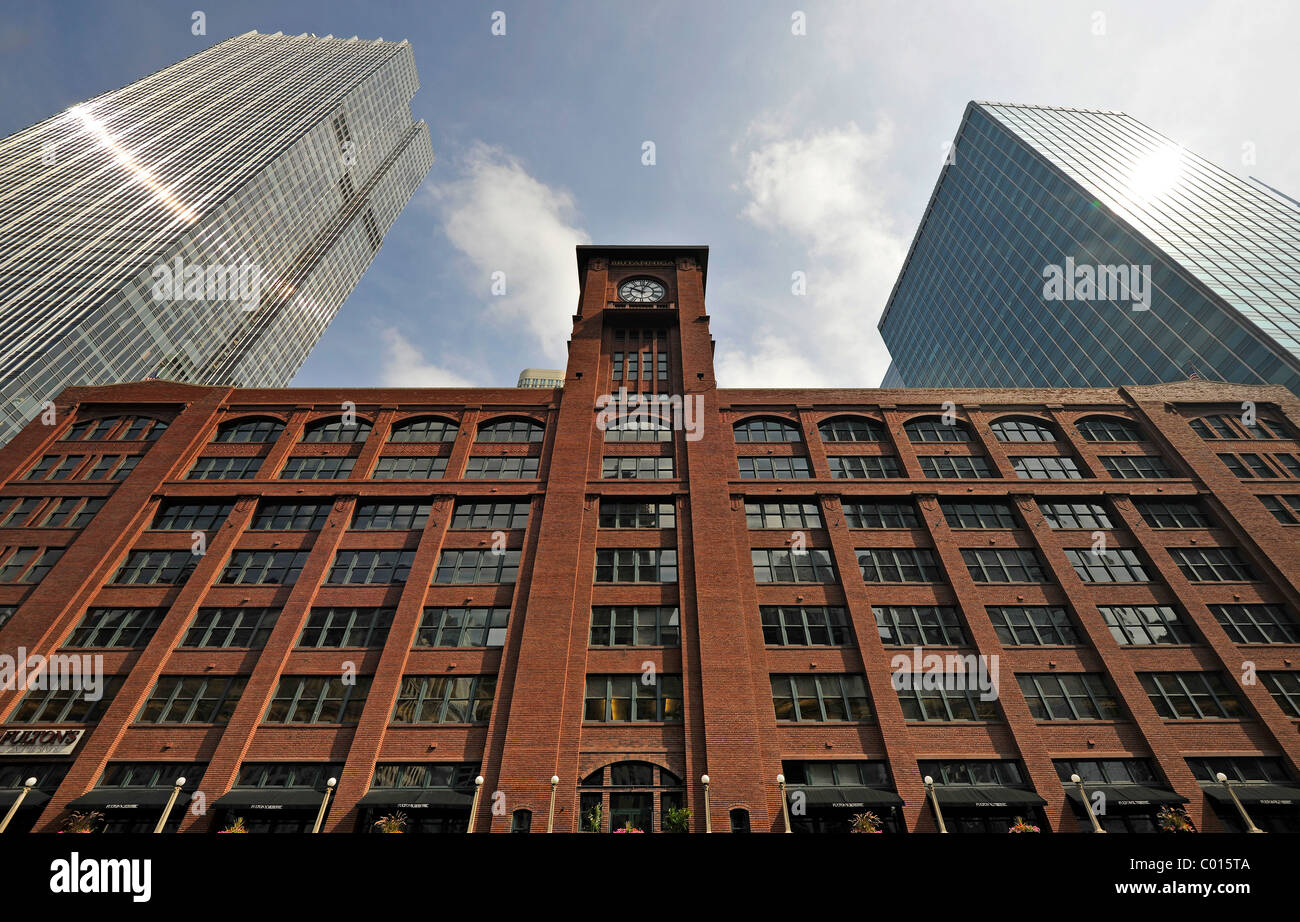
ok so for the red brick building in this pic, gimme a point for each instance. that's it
(404, 589)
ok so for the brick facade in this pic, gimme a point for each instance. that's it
(728, 728)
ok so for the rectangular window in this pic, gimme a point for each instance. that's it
(1107, 771)
(463, 627)
(16, 511)
(863, 467)
(27, 564)
(783, 566)
(790, 514)
(107, 628)
(72, 512)
(1136, 467)
(1045, 467)
(635, 626)
(631, 468)
(821, 698)
(953, 696)
(961, 467)
(465, 566)
(899, 565)
(394, 515)
(155, 568)
(327, 468)
(1140, 625)
(1212, 564)
(301, 776)
(1248, 467)
(67, 703)
(794, 467)
(1172, 513)
(881, 515)
(1033, 625)
(146, 775)
(193, 700)
(291, 516)
(636, 565)
(806, 626)
(54, 467)
(334, 628)
(197, 515)
(967, 772)
(914, 625)
(411, 468)
(1257, 623)
(112, 467)
(1242, 769)
(312, 699)
(498, 468)
(456, 776)
(1004, 565)
(1190, 695)
(637, 514)
(264, 568)
(1286, 509)
(224, 469)
(628, 699)
(1081, 515)
(445, 699)
(1285, 689)
(370, 568)
(992, 514)
(241, 628)
(496, 516)
(1118, 565)
(1069, 696)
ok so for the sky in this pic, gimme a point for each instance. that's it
(796, 137)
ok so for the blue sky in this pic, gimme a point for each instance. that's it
(812, 153)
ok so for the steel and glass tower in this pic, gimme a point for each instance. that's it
(1031, 192)
(203, 224)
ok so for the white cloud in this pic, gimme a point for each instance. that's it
(502, 219)
(405, 366)
(823, 195)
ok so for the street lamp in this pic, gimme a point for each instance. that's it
(473, 807)
(550, 817)
(167, 810)
(708, 820)
(1223, 780)
(1087, 804)
(324, 802)
(785, 807)
(934, 802)
(18, 802)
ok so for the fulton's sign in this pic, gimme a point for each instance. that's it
(39, 742)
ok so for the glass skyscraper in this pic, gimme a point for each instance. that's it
(1074, 247)
(205, 223)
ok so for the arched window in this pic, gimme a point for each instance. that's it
(336, 429)
(635, 794)
(521, 821)
(739, 820)
(1108, 429)
(936, 429)
(424, 429)
(640, 429)
(250, 429)
(851, 429)
(511, 430)
(1022, 429)
(116, 429)
(767, 430)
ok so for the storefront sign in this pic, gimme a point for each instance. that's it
(39, 742)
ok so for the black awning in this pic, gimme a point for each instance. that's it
(847, 797)
(271, 799)
(1128, 795)
(1262, 794)
(980, 796)
(416, 798)
(127, 798)
(34, 798)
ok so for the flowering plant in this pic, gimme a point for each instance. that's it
(1020, 825)
(865, 822)
(628, 827)
(237, 825)
(82, 822)
(393, 822)
(1174, 819)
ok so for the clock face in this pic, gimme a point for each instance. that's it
(642, 291)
